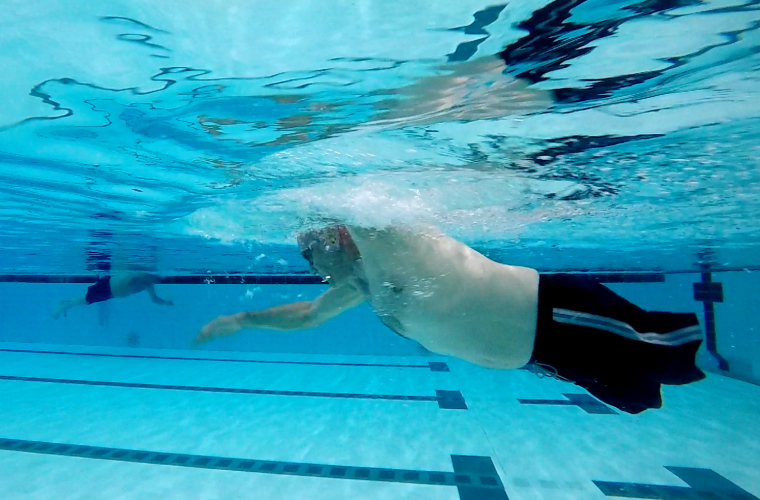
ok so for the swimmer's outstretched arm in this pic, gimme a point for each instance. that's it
(295, 316)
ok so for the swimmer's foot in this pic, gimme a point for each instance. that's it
(220, 327)
(61, 309)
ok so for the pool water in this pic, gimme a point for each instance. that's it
(612, 139)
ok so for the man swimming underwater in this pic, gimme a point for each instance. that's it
(455, 301)
(114, 287)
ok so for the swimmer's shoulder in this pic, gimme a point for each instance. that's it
(359, 282)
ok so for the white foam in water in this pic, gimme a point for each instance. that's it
(377, 181)
(415, 137)
(466, 203)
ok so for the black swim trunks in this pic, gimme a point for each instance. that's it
(100, 291)
(615, 350)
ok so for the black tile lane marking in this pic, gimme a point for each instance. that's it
(708, 292)
(475, 477)
(437, 366)
(481, 478)
(704, 484)
(448, 400)
(465, 467)
(587, 403)
(451, 400)
(434, 366)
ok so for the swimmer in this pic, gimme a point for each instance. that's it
(110, 287)
(455, 301)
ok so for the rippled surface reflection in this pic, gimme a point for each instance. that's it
(196, 140)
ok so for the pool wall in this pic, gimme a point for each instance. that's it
(26, 308)
(134, 321)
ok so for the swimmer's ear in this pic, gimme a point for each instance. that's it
(346, 242)
(304, 239)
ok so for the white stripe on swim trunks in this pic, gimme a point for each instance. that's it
(677, 337)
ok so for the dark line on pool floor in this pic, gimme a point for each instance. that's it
(709, 292)
(434, 366)
(585, 402)
(478, 476)
(306, 279)
(704, 484)
(450, 400)
(302, 279)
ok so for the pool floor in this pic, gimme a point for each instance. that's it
(85, 422)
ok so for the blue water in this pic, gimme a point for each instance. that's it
(198, 138)
(201, 139)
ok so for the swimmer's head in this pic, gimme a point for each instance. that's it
(330, 252)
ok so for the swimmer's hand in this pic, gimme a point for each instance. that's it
(220, 327)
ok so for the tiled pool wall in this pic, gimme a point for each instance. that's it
(26, 309)
(726, 303)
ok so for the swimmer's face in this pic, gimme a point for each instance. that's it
(325, 255)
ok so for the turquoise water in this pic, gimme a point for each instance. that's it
(165, 131)
(194, 140)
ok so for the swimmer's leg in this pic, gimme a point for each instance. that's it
(65, 305)
(155, 298)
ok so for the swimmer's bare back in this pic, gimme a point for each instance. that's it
(125, 284)
(422, 284)
(450, 298)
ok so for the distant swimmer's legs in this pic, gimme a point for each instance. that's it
(98, 292)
